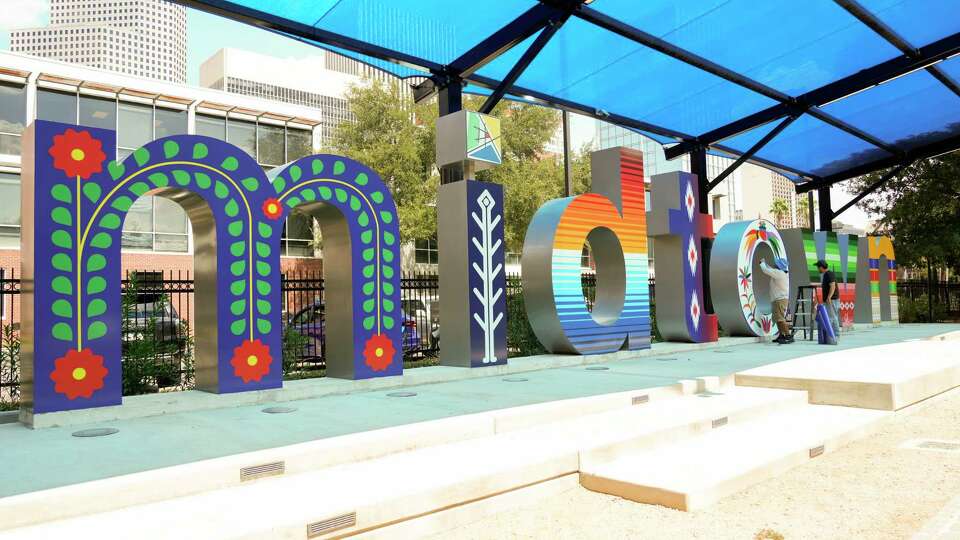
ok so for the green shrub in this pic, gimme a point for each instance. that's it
(9, 368)
(918, 310)
(521, 341)
(148, 361)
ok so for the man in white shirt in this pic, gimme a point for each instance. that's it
(779, 297)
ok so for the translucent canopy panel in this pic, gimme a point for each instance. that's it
(437, 30)
(809, 145)
(907, 112)
(918, 21)
(793, 47)
(586, 64)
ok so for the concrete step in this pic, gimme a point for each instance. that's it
(696, 472)
(406, 485)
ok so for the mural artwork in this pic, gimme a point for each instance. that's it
(806, 247)
(613, 221)
(878, 301)
(677, 227)
(742, 303)
(74, 201)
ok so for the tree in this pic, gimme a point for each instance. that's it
(385, 136)
(780, 209)
(803, 210)
(920, 209)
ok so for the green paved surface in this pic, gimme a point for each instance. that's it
(39, 459)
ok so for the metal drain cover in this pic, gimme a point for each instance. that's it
(597, 368)
(279, 410)
(401, 394)
(516, 379)
(95, 432)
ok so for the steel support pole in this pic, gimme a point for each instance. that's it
(450, 100)
(567, 185)
(825, 210)
(811, 211)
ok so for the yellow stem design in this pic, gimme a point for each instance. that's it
(376, 222)
(79, 275)
(120, 184)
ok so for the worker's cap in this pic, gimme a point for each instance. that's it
(782, 264)
(822, 264)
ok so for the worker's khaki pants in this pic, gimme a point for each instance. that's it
(780, 316)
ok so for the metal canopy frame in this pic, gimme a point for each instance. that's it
(549, 14)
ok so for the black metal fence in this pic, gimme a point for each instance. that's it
(946, 299)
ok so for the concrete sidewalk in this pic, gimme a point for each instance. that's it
(41, 459)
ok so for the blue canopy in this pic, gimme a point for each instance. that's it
(823, 89)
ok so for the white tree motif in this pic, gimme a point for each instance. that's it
(488, 322)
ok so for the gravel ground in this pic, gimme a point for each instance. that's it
(870, 489)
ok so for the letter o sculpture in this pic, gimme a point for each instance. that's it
(741, 303)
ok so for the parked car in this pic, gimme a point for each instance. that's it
(153, 316)
(310, 323)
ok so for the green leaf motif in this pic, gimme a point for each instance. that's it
(116, 169)
(102, 240)
(238, 287)
(362, 179)
(387, 305)
(264, 229)
(200, 151)
(62, 262)
(122, 203)
(341, 195)
(110, 221)
(96, 262)
(389, 238)
(139, 188)
(293, 201)
(251, 183)
(62, 308)
(368, 288)
(387, 271)
(388, 322)
(263, 288)
(141, 156)
(368, 271)
(366, 236)
(295, 173)
(308, 194)
(354, 203)
(263, 268)
(61, 193)
(387, 255)
(170, 149)
(263, 307)
(386, 217)
(181, 177)
(235, 228)
(159, 179)
(238, 327)
(61, 216)
(96, 285)
(62, 332)
(387, 288)
(96, 307)
(96, 330)
(368, 254)
(62, 285)
(263, 249)
(339, 167)
(363, 219)
(238, 248)
(377, 197)
(231, 209)
(92, 191)
(368, 322)
(325, 192)
(279, 184)
(238, 307)
(237, 268)
(61, 238)
(263, 326)
(230, 163)
(203, 180)
(220, 190)
(316, 166)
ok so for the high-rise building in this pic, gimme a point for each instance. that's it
(320, 81)
(146, 38)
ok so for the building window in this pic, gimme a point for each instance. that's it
(426, 251)
(270, 145)
(156, 224)
(13, 114)
(134, 128)
(212, 126)
(56, 106)
(98, 112)
(10, 213)
(299, 143)
(244, 135)
(169, 122)
(297, 239)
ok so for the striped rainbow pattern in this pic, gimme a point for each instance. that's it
(583, 214)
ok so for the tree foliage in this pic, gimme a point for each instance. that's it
(920, 209)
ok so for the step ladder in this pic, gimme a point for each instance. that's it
(802, 314)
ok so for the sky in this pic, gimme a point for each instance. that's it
(206, 34)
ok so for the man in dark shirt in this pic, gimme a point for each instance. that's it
(830, 295)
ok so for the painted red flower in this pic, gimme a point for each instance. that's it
(272, 208)
(76, 153)
(378, 352)
(251, 360)
(78, 373)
